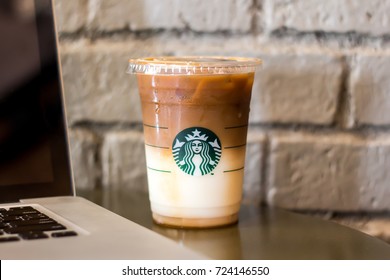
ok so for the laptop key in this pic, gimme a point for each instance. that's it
(44, 227)
(33, 235)
(31, 222)
(21, 208)
(64, 234)
(10, 219)
(34, 216)
(18, 212)
(3, 225)
(9, 239)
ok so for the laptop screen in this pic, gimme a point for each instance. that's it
(33, 148)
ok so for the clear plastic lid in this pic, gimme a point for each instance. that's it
(192, 65)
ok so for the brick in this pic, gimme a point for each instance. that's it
(71, 15)
(123, 160)
(297, 88)
(232, 15)
(368, 17)
(369, 86)
(84, 147)
(96, 85)
(334, 171)
(252, 193)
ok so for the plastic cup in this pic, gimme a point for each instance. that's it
(195, 118)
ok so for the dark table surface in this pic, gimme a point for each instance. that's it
(262, 232)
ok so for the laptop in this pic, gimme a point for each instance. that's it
(40, 216)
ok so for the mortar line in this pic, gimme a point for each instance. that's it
(264, 172)
(343, 117)
(93, 35)
(350, 39)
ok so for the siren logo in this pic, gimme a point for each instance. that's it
(196, 150)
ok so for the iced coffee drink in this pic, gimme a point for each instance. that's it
(195, 119)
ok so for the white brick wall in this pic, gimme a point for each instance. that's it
(253, 177)
(96, 85)
(367, 17)
(214, 15)
(334, 171)
(371, 17)
(319, 101)
(297, 88)
(71, 15)
(84, 154)
(123, 160)
(370, 88)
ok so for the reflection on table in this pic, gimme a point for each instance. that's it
(262, 232)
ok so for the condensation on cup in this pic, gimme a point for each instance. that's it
(195, 119)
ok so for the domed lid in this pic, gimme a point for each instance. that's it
(192, 65)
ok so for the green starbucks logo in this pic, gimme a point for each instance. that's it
(196, 150)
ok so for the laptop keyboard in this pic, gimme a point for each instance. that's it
(27, 223)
